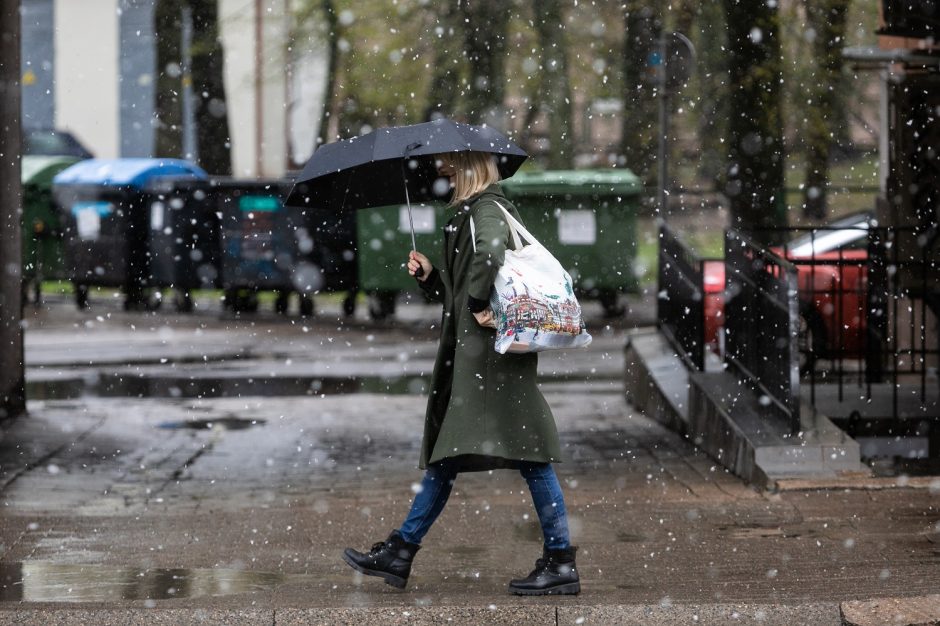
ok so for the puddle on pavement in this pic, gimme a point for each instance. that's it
(50, 582)
(212, 386)
(225, 423)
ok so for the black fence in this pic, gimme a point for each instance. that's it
(868, 323)
(846, 315)
(681, 300)
(761, 324)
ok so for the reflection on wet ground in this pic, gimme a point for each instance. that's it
(225, 423)
(213, 385)
(37, 581)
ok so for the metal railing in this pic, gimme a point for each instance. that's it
(846, 314)
(761, 324)
(680, 302)
(867, 328)
(867, 300)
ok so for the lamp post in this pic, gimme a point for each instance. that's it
(12, 377)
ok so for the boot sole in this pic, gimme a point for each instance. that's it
(568, 589)
(390, 579)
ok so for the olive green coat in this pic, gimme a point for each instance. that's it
(485, 410)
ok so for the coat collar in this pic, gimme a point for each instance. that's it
(494, 189)
(459, 219)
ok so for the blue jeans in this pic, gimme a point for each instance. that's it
(543, 485)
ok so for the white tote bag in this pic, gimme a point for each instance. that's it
(533, 299)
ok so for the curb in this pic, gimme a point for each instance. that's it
(915, 611)
(535, 614)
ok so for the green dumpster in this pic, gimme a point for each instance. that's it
(383, 241)
(587, 219)
(42, 233)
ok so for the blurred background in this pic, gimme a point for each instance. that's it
(250, 88)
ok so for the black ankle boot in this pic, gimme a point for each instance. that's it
(389, 559)
(554, 574)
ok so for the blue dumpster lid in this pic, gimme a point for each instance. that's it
(126, 172)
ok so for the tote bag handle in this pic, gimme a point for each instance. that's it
(515, 229)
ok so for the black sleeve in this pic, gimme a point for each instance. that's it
(433, 287)
(476, 305)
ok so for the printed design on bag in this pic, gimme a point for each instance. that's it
(548, 314)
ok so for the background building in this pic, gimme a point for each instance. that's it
(90, 68)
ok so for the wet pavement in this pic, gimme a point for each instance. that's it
(197, 492)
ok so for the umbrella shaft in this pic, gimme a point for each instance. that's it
(411, 221)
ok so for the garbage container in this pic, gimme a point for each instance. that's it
(383, 241)
(42, 233)
(334, 236)
(268, 246)
(587, 218)
(184, 241)
(105, 208)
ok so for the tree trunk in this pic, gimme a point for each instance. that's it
(445, 82)
(555, 84)
(215, 154)
(485, 29)
(12, 377)
(828, 19)
(168, 26)
(711, 73)
(638, 142)
(755, 169)
(212, 132)
(329, 97)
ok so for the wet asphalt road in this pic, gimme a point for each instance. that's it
(246, 501)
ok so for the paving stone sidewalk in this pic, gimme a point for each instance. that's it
(236, 509)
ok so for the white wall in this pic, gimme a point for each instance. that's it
(86, 70)
(237, 24)
(308, 86)
(87, 81)
(292, 110)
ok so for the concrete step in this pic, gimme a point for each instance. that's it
(728, 420)
(731, 423)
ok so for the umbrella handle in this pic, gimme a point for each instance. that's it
(414, 246)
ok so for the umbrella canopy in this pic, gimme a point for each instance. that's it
(374, 169)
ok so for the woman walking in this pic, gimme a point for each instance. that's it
(485, 410)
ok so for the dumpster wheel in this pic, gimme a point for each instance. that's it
(183, 301)
(282, 302)
(81, 295)
(241, 300)
(609, 299)
(349, 304)
(306, 305)
(382, 305)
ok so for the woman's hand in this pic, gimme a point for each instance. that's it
(417, 260)
(485, 318)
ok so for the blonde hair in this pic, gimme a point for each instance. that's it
(474, 172)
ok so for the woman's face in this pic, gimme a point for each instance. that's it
(445, 168)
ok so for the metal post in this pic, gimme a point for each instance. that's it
(190, 143)
(663, 125)
(12, 377)
(259, 88)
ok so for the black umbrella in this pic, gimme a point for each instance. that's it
(394, 165)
